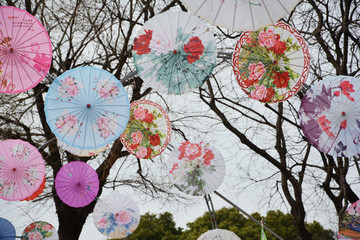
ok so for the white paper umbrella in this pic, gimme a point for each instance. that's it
(116, 215)
(196, 168)
(174, 52)
(242, 15)
(218, 234)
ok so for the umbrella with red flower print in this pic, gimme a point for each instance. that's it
(271, 64)
(25, 50)
(196, 168)
(330, 116)
(40, 230)
(174, 52)
(148, 131)
(349, 226)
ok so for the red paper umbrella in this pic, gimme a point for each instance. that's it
(37, 193)
(77, 184)
(25, 50)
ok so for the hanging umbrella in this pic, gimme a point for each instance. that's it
(174, 52)
(87, 109)
(217, 234)
(36, 193)
(22, 169)
(7, 230)
(81, 152)
(349, 227)
(330, 118)
(77, 184)
(116, 216)
(243, 15)
(272, 63)
(25, 50)
(149, 129)
(196, 168)
(40, 230)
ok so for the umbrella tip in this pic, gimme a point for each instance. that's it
(11, 50)
(14, 169)
(343, 113)
(88, 105)
(174, 51)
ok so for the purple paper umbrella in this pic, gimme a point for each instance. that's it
(77, 184)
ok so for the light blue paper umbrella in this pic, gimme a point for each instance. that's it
(87, 109)
(7, 230)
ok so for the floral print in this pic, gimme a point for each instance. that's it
(175, 59)
(106, 126)
(20, 151)
(107, 89)
(40, 231)
(349, 226)
(264, 63)
(328, 116)
(149, 130)
(69, 88)
(67, 123)
(42, 62)
(196, 168)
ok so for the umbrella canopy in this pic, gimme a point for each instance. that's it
(196, 168)
(349, 227)
(271, 64)
(37, 192)
(116, 215)
(7, 230)
(241, 15)
(330, 118)
(87, 108)
(79, 151)
(217, 234)
(22, 169)
(174, 52)
(149, 129)
(40, 230)
(77, 184)
(25, 50)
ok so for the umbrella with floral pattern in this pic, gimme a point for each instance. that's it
(87, 108)
(174, 52)
(330, 117)
(25, 50)
(196, 168)
(271, 64)
(148, 131)
(222, 234)
(40, 230)
(349, 227)
(7, 230)
(37, 192)
(22, 169)
(116, 215)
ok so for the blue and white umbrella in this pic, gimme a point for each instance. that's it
(7, 230)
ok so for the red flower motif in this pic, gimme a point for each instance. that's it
(149, 152)
(154, 139)
(189, 150)
(279, 47)
(346, 89)
(134, 146)
(269, 94)
(141, 43)
(324, 123)
(195, 48)
(337, 93)
(208, 156)
(343, 124)
(149, 118)
(281, 79)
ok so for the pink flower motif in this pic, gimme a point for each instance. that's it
(60, 123)
(105, 133)
(175, 166)
(208, 156)
(47, 227)
(256, 71)
(72, 90)
(41, 62)
(140, 113)
(71, 120)
(267, 38)
(123, 217)
(136, 137)
(34, 236)
(70, 81)
(102, 222)
(325, 125)
(248, 40)
(102, 122)
(142, 152)
(189, 150)
(259, 92)
(35, 47)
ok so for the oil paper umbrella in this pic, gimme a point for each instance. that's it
(25, 50)
(271, 64)
(40, 230)
(116, 216)
(174, 52)
(87, 109)
(196, 168)
(241, 15)
(22, 169)
(149, 129)
(77, 184)
(216, 234)
(349, 227)
(36, 193)
(330, 117)
(7, 230)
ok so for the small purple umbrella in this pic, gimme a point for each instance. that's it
(77, 184)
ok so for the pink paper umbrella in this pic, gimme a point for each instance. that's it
(25, 50)
(77, 184)
(22, 169)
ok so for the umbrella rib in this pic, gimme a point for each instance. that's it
(27, 30)
(23, 46)
(34, 36)
(98, 114)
